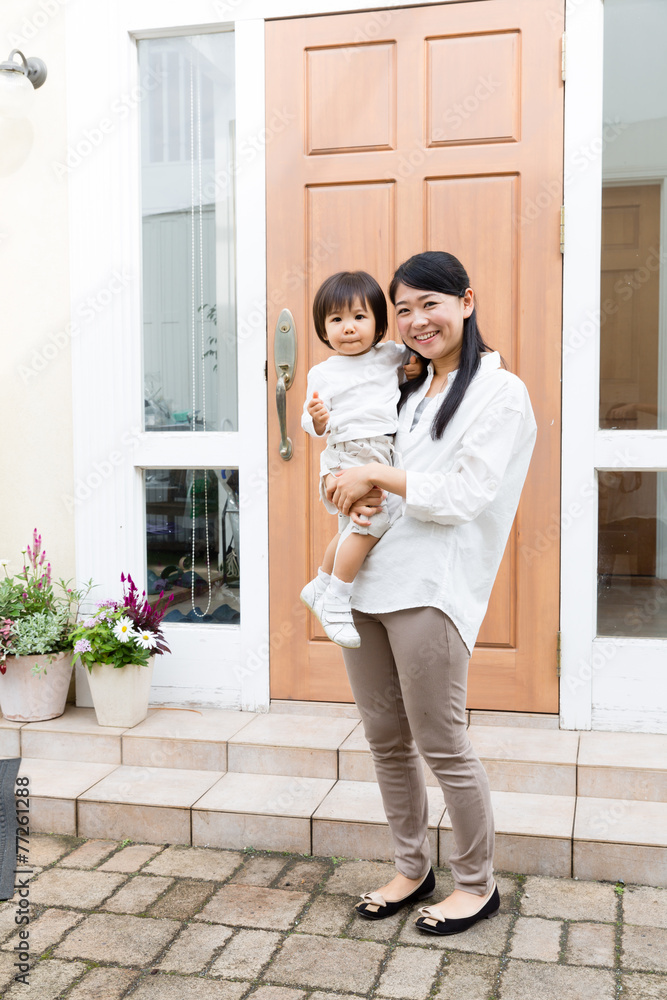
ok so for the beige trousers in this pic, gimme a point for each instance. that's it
(409, 680)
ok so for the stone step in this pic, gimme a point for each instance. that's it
(543, 834)
(516, 758)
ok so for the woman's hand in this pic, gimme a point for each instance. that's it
(351, 485)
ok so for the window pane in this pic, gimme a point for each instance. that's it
(194, 513)
(189, 305)
(632, 553)
(633, 383)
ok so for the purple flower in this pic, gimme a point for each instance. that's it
(82, 646)
(90, 623)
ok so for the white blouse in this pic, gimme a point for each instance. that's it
(449, 534)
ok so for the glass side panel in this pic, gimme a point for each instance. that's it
(192, 543)
(633, 332)
(632, 553)
(187, 193)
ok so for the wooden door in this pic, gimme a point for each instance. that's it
(436, 127)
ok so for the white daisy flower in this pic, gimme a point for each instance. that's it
(4, 562)
(146, 639)
(123, 629)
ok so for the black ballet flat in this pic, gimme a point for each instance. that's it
(375, 907)
(433, 922)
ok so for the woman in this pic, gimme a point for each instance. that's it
(465, 436)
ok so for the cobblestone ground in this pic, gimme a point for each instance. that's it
(112, 920)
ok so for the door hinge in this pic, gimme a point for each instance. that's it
(563, 44)
(562, 228)
(266, 371)
(558, 654)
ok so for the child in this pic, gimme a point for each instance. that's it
(352, 396)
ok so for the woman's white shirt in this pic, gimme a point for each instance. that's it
(449, 534)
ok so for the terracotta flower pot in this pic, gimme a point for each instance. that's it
(120, 695)
(28, 697)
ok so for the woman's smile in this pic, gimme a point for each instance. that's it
(432, 323)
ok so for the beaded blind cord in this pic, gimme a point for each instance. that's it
(194, 327)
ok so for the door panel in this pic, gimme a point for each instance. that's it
(438, 129)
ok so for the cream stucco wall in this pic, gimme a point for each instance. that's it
(35, 361)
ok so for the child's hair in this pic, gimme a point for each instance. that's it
(340, 290)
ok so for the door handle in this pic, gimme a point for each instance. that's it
(284, 355)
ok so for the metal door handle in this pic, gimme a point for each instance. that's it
(284, 352)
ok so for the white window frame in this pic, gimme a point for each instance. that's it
(615, 683)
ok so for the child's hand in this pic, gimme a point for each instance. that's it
(414, 367)
(319, 413)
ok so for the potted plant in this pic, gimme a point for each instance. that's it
(118, 644)
(36, 618)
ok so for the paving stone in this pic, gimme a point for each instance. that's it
(195, 862)
(536, 981)
(535, 937)
(410, 973)
(568, 899)
(644, 986)
(7, 970)
(304, 876)
(354, 878)
(281, 993)
(486, 937)
(130, 859)
(329, 996)
(373, 930)
(46, 980)
(644, 948)
(137, 894)
(110, 937)
(245, 955)
(645, 905)
(178, 988)
(327, 915)
(259, 871)
(47, 929)
(182, 900)
(468, 977)
(337, 964)
(63, 887)
(89, 854)
(253, 906)
(194, 947)
(45, 848)
(591, 944)
(103, 984)
(7, 922)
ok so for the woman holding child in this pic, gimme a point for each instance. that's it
(464, 436)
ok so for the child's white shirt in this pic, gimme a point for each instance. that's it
(360, 391)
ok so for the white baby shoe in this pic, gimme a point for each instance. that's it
(337, 621)
(312, 596)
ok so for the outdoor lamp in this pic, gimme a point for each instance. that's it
(18, 84)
